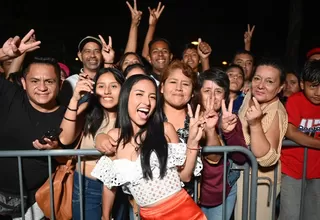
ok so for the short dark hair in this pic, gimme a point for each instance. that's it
(218, 76)
(275, 63)
(189, 46)
(242, 51)
(157, 40)
(311, 72)
(44, 60)
(232, 65)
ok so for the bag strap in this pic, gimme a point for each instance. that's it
(72, 159)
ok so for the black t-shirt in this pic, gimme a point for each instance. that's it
(20, 125)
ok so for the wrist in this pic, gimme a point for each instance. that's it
(254, 125)
(74, 102)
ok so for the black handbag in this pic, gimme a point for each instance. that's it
(10, 204)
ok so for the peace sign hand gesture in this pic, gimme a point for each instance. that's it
(254, 113)
(196, 126)
(211, 117)
(107, 51)
(155, 14)
(14, 47)
(135, 13)
(229, 120)
(248, 34)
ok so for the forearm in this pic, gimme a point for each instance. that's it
(192, 153)
(205, 64)
(3, 56)
(149, 37)
(71, 124)
(16, 64)
(108, 197)
(260, 146)
(132, 39)
(301, 138)
(247, 46)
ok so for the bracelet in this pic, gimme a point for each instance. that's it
(194, 148)
(68, 119)
(74, 110)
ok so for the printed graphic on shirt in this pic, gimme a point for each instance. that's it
(310, 127)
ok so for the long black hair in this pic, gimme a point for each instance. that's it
(152, 134)
(95, 111)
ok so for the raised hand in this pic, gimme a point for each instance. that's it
(254, 113)
(107, 51)
(135, 13)
(210, 116)
(14, 47)
(204, 49)
(196, 126)
(155, 14)
(84, 85)
(229, 120)
(248, 34)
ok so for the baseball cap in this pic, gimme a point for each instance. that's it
(88, 39)
(65, 68)
(313, 51)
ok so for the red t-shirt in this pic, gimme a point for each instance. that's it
(305, 116)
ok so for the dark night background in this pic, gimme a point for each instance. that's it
(60, 27)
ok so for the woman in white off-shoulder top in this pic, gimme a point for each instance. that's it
(149, 162)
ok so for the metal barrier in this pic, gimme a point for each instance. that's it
(208, 149)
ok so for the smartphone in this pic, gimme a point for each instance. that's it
(51, 134)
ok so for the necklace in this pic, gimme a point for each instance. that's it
(136, 148)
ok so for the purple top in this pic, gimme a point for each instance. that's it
(212, 174)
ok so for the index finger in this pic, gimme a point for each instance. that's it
(256, 103)
(252, 29)
(248, 27)
(28, 35)
(230, 107)
(223, 107)
(161, 9)
(197, 112)
(129, 6)
(102, 40)
(190, 113)
(135, 4)
(159, 5)
(110, 41)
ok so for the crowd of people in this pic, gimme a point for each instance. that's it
(150, 116)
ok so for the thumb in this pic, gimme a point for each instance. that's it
(199, 40)
(113, 142)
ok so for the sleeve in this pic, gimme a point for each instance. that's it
(292, 107)
(177, 157)
(7, 90)
(106, 172)
(236, 138)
